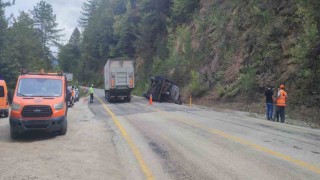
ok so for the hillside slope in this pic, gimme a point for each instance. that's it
(237, 48)
(220, 52)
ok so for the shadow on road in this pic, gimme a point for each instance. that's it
(33, 136)
(26, 137)
(117, 101)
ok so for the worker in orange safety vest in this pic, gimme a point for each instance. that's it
(281, 100)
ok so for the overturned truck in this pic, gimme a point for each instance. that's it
(163, 90)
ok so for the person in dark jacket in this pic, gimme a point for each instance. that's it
(269, 102)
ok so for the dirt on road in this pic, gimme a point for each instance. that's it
(87, 151)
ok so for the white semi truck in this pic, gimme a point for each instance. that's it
(119, 79)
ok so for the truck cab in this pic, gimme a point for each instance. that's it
(4, 103)
(39, 103)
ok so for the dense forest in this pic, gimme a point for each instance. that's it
(25, 40)
(217, 51)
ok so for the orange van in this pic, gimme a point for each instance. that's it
(39, 103)
(4, 103)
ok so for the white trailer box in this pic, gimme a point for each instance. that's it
(119, 79)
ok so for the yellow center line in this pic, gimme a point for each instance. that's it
(144, 167)
(240, 140)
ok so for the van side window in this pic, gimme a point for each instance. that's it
(1, 91)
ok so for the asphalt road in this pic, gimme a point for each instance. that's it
(161, 141)
(168, 141)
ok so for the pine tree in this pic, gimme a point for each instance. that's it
(124, 30)
(150, 30)
(89, 7)
(182, 10)
(27, 45)
(69, 55)
(45, 23)
(7, 68)
(3, 23)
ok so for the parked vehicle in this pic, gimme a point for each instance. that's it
(39, 103)
(119, 79)
(163, 89)
(4, 103)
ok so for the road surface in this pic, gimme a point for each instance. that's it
(162, 141)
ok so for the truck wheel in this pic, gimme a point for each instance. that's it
(14, 135)
(107, 96)
(128, 99)
(64, 129)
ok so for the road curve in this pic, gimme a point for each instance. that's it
(168, 141)
(161, 141)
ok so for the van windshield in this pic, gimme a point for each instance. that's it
(39, 87)
(1, 91)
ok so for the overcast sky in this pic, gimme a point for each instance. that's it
(67, 11)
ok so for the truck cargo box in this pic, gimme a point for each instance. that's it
(119, 79)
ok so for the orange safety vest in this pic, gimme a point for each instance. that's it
(72, 93)
(281, 101)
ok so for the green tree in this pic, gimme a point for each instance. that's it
(69, 55)
(151, 30)
(88, 9)
(45, 23)
(182, 10)
(23, 47)
(124, 26)
(3, 22)
(7, 68)
(98, 41)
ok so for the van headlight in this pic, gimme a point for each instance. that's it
(15, 106)
(59, 106)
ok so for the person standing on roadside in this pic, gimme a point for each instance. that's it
(269, 102)
(281, 100)
(275, 105)
(91, 93)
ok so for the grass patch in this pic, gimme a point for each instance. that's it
(140, 88)
(83, 92)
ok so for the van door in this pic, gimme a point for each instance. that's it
(3, 98)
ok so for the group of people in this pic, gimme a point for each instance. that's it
(280, 102)
(74, 95)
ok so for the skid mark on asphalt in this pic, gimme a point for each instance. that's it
(158, 150)
(296, 147)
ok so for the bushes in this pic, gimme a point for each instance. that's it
(220, 90)
(247, 81)
(140, 87)
(196, 86)
(308, 38)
